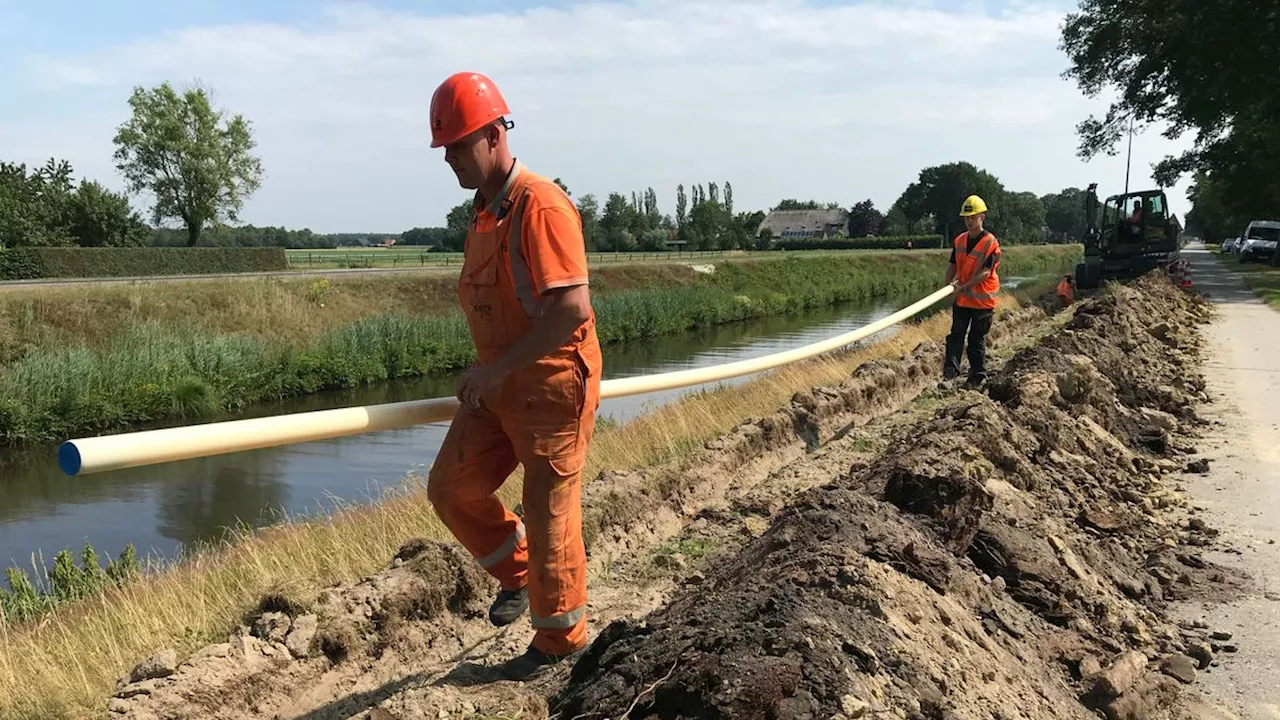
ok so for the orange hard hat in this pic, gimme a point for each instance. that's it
(464, 103)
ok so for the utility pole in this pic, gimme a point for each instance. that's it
(1129, 158)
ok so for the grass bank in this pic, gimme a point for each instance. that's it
(96, 360)
(74, 653)
(1263, 279)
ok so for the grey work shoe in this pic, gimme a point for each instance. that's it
(533, 663)
(509, 606)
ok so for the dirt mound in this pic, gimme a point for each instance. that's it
(1006, 558)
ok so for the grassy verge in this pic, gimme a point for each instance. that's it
(1263, 279)
(75, 653)
(104, 360)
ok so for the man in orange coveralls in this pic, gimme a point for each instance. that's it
(531, 397)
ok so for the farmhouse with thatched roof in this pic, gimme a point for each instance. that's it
(801, 224)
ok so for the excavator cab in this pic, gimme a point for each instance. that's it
(1135, 235)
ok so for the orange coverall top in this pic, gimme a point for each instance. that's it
(525, 242)
(1065, 292)
(969, 262)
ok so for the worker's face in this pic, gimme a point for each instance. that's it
(472, 158)
(974, 222)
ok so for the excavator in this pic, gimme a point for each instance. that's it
(1137, 234)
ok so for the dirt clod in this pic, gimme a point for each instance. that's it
(162, 664)
(1202, 652)
(1180, 668)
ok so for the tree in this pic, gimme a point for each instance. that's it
(728, 197)
(1211, 216)
(458, 221)
(563, 187)
(711, 227)
(865, 219)
(792, 204)
(750, 222)
(1064, 214)
(942, 189)
(1023, 216)
(98, 217)
(713, 193)
(195, 162)
(682, 207)
(653, 216)
(33, 206)
(653, 240)
(589, 211)
(431, 236)
(616, 224)
(1203, 67)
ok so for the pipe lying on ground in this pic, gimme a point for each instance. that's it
(85, 456)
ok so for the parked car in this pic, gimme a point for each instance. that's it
(1259, 240)
(1229, 245)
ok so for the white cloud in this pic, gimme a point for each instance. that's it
(781, 97)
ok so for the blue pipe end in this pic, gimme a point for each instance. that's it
(69, 458)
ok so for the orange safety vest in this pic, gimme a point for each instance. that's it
(500, 301)
(970, 261)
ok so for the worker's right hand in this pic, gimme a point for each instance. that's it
(472, 385)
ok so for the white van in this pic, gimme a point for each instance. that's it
(1259, 240)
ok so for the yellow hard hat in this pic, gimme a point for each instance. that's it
(972, 206)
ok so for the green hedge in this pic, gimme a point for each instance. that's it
(862, 243)
(75, 262)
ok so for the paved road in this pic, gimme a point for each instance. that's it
(1241, 493)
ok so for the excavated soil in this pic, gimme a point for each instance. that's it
(884, 548)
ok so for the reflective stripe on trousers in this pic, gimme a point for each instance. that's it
(508, 548)
(560, 621)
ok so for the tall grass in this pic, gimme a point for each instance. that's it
(153, 371)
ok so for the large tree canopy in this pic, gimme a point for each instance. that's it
(1212, 68)
(197, 164)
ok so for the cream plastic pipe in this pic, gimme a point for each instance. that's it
(85, 456)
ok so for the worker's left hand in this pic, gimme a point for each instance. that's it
(475, 382)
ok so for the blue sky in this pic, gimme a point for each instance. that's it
(783, 98)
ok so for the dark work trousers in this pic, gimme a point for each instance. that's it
(976, 323)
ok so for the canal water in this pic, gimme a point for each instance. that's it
(161, 509)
